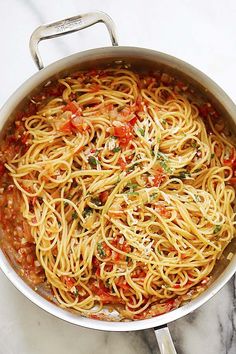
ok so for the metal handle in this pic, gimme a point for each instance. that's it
(68, 25)
(164, 340)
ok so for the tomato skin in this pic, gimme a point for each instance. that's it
(71, 107)
(67, 127)
(133, 121)
(122, 164)
(103, 196)
(231, 160)
(70, 282)
(122, 131)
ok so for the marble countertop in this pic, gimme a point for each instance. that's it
(200, 32)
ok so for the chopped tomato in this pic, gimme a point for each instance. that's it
(70, 282)
(103, 196)
(177, 286)
(67, 127)
(122, 283)
(231, 160)
(122, 164)
(122, 132)
(133, 121)
(162, 211)
(159, 177)
(71, 107)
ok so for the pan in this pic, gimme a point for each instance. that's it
(138, 59)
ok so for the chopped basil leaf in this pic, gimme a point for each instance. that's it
(217, 229)
(76, 292)
(198, 170)
(131, 168)
(164, 121)
(87, 211)
(197, 198)
(116, 149)
(59, 223)
(141, 131)
(194, 144)
(74, 215)
(212, 156)
(182, 175)
(165, 167)
(101, 251)
(65, 203)
(161, 156)
(153, 196)
(92, 161)
(132, 187)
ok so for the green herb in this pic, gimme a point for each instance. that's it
(161, 156)
(74, 215)
(182, 175)
(101, 251)
(65, 203)
(92, 161)
(107, 283)
(197, 198)
(153, 152)
(96, 201)
(87, 211)
(164, 121)
(76, 292)
(131, 168)
(59, 223)
(217, 229)
(165, 167)
(127, 258)
(116, 149)
(198, 170)
(212, 156)
(194, 144)
(141, 131)
(132, 187)
(153, 196)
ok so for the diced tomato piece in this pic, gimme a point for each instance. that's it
(70, 282)
(103, 196)
(133, 121)
(231, 160)
(122, 131)
(162, 211)
(159, 177)
(71, 107)
(122, 164)
(177, 286)
(67, 127)
(122, 283)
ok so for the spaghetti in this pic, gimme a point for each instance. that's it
(124, 188)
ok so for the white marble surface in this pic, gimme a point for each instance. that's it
(201, 32)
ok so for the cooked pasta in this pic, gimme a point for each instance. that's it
(121, 192)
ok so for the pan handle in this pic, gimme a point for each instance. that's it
(164, 340)
(68, 25)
